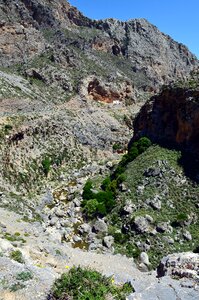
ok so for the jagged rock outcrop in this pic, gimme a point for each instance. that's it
(33, 32)
(172, 117)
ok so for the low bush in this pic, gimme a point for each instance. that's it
(24, 276)
(85, 284)
(91, 207)
(102, 203)
(87, 192)
(17, 256)
(46, 164)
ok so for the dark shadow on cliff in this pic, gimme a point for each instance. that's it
(190, 165)
(188, 161)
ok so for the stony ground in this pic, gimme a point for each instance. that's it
(45, 257)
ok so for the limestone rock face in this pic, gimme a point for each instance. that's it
(134, 49)
(172, 117)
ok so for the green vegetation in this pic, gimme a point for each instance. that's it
(46, 164)
(84, 284)
(17, 256)
(178, 205)
(14, 237)
(134, 151)
(178, 197)
(102, 202)
(17, 286)
(24, 276)
(117, 147)
(99, 203)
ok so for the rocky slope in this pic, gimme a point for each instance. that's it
(31, 276)
(59, 67)
(69, 89)
(36, 32)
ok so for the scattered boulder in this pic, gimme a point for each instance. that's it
(144, 258)
(168, 240)
(142, 224)
(108, 241)
(152, 172)
(60, 213)
(164, 227)
(100, 226)
(128, 208)
(54, 221)
(123, 187)
(84, 228)
(187, 235)
(77, 238)
(156, 202)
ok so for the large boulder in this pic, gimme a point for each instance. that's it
(100, 226)
(180, 264)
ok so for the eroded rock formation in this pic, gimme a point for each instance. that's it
(172, 117)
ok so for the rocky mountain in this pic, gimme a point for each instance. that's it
(58, 68)
(73, 190)
(54, 43)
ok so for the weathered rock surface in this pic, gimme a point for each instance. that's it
(49, 258)
(32, 31)
(172, 117)
(100, 226)
(180, 265)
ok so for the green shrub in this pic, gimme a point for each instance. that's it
(182, 217)
(24, 276)
(120, 237)
(7, 128)
(87, 193)
(91, 207)
(17, 256)
(106, 198)
(101, 204)
(84, 284)
(117, 146)
(132, 251)
(143, 143)
(113, 186)
(133, 153)
(118, 171)
(105, 183)
(16, 287)
(121, 178)
(101, 209)
(46, 164)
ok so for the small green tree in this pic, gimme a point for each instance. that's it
(91, 207)
(106, 183)
(143, 144)
(87, 193)
(46, 164)
(133, 153)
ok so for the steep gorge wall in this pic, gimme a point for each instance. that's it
(171, 118)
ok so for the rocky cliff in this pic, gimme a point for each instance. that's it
(172, 117)
(53, 37)
(69, 89)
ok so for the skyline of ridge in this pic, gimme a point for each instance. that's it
(175, 18)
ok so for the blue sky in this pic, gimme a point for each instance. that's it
(178, 18)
